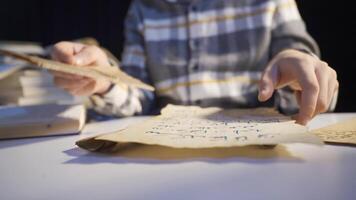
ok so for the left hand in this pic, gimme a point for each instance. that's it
(83, 56)
(313, 80)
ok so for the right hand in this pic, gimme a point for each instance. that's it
(79, 55)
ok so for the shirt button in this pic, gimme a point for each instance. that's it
(193, 44)
(195, 67)
(197, 102)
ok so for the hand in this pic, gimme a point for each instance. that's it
(313, 80)
(79, 55)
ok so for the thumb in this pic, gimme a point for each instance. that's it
(87, 56)
(267, 83)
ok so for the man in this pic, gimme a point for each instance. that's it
(210, 53)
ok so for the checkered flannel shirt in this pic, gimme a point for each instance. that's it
(204, 52)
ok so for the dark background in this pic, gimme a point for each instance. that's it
(331, 23)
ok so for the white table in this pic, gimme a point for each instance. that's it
(54, 168)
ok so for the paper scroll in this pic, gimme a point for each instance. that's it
(195, 127)
(112, 74)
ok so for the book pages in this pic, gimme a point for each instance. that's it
(195, 127)
(112, 74)
(8, 70)
(41, 120)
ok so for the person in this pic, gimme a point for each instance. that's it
(227, 53)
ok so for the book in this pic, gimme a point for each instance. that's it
(49, 98)
(7, 70)
(23, 47)
(32, 86)
(41, 120)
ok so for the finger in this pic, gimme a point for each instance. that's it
(72, 87)
(333, 93)
(85, 90)
(310, 91)
(65, 51)
(334, 86)
(66, 75)
(298, 95)
(70, 83)
(88, 56)
(75, 90)
(102, 86)
(323, 96)
(268, 83)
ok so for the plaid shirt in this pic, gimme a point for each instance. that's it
(204, 52)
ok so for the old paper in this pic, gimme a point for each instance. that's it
(195, 127)
(113, 74)
(341, 133)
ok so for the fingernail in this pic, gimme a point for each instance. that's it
(260, 96)
(262, 93)
(264, 88)
(78, 61)
(303, 121)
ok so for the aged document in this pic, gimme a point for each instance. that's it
(195, 127)
(113, 74)
(340, 133)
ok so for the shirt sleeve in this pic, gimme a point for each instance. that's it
(289, 32)
(122, 102)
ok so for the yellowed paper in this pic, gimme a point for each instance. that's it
(195, 127)
(113, 74)
(343, 132)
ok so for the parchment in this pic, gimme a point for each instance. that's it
(195, 127)
(112, 74)
(340, 133)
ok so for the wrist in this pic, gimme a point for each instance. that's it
(104, 90)
(308, 52)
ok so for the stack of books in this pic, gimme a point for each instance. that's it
(30, 103)
(41, 120)
(22, 84)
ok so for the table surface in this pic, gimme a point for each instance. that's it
(54, 168)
